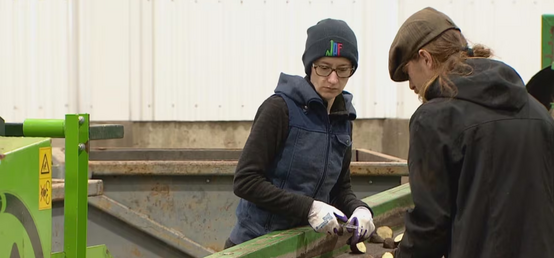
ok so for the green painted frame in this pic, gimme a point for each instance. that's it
(290, 242)
(76, 130)
(547, 57)
(76, 185)
(23, 223)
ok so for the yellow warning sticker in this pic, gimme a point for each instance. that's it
(45, 194)
(45, 178)
(45, 162)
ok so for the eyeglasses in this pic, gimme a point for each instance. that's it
(342, 72)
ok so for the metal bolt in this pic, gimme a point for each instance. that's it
(207, 180)
(81, 120)
(81, 147)
(370, 182)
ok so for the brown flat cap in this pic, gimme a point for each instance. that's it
(418, 30)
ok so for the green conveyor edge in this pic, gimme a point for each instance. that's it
(297, 241)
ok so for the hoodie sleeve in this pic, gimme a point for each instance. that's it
(268, 133)
(342, 196)
(427, 232)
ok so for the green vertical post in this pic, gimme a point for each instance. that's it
(76, 184)
(547, 57)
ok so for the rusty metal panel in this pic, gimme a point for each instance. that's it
(122, 239)
(170, 236)
(184, 207)
(146, 154)
(200, 208)
(95, 187)
(208, 168)
(204, 205)
(188, 215)
(161, 168)
(127, 154)
(365, 186)
(378, 169)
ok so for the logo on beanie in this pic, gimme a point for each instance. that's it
(334, 50)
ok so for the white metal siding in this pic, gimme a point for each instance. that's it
(196, 60)
(218, 60)
(512, 29)
(34, 59)
(105, 59)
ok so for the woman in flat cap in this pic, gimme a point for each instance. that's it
(481, 155)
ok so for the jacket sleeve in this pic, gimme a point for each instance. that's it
(342, 196)
(427, 225)
(268, 133)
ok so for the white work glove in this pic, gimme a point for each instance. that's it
(323, 218)
(362, 219)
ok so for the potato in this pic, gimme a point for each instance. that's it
(398, 238)
(358, 248)
(387, 255)
(384, 232)
(389, 243)
(374, 238)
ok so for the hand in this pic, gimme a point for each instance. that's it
(362, 218)
(323, 218)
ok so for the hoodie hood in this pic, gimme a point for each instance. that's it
(302, 92)
(492, 84)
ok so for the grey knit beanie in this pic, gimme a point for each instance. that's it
(330, 38)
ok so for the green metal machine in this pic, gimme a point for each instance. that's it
(547, 57)
(26, 186)
(541, 85)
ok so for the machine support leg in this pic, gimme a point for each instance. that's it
(76, 178)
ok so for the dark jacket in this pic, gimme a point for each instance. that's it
(541, 86)
(481, 171)
(295, 153)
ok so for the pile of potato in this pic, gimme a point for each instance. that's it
(383, 235)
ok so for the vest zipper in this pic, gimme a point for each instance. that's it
(326, 157)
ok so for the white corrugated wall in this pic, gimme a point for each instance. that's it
(34, 59)
(192, 60)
